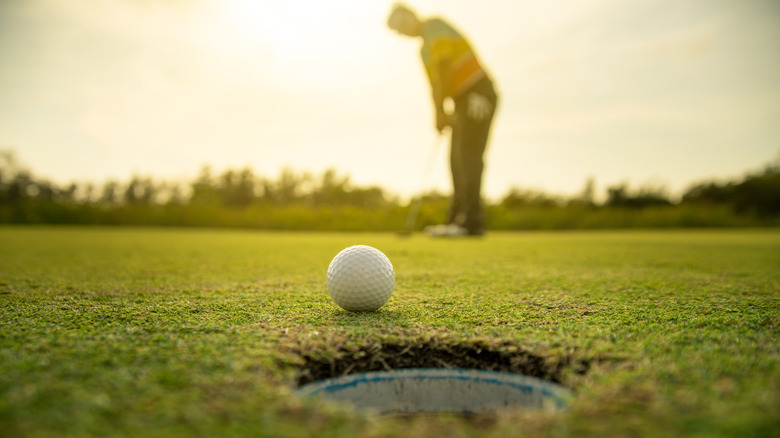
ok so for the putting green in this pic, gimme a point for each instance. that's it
(182, 332)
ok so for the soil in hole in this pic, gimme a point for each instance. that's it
(435, 353)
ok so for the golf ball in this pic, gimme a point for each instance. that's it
(360, 278)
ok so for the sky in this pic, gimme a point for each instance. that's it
(651, 93)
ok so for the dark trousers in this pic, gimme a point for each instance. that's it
(469, 140)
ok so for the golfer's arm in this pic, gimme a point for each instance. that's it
(440, 82)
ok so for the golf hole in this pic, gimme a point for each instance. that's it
(436, 376)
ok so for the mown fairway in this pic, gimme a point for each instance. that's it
(176, 332)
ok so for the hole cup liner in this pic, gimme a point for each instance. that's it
(426, 390)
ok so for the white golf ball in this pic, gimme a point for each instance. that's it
(360, 278)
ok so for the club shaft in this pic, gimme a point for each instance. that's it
(411, 218)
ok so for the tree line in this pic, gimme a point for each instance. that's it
(302, 200)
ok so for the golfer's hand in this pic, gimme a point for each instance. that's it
(479, 107)
(443, 120)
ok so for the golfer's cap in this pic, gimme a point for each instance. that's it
(397, 14)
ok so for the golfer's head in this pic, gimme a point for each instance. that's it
(403, 20)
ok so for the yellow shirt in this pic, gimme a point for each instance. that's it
(448, 59)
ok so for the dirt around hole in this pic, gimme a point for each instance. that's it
(334, 356)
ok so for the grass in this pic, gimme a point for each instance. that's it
(186, 332)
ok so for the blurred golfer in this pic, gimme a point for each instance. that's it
(455, 73)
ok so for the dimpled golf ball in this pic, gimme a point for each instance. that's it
(360, 278)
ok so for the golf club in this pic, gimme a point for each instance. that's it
(414, 210)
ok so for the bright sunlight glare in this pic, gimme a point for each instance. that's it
(300, 37)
